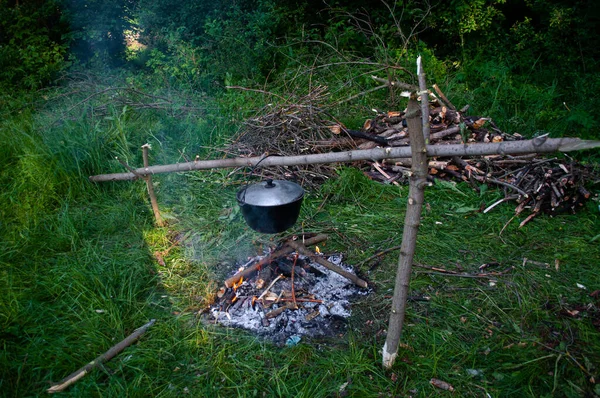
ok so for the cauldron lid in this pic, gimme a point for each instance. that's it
(271, 193)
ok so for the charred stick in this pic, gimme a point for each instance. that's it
(293, 292)
(300, 248)
(275, 312)
(302, 300)
(286, 249)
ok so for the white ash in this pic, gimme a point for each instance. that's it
(332, 289)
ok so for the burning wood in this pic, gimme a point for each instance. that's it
(290, 294)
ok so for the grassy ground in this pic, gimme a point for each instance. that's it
(78, 273)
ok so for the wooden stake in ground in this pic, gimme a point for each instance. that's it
(424, 100)
(148, 178)
(418, 181)
(107, 356)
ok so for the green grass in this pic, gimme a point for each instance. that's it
(78, 273)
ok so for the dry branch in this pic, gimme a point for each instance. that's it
(536, 145)
(107, 356)
(150, 187)
(418, 181)
(300, 248)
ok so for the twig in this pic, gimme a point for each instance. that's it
(302, 300)
(424, 100)
(107, 356)
(285, 100)
(506, 184)
(362, 93)
(506, 199)
(443, 97)
(269, 287)
(381, 253)
(293, 292)
(475, 276)
(131, 169)
(383, 173)
(300, 248)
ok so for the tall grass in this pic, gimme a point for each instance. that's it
(79, 271)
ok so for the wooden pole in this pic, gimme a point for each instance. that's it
(107, 356)
(540, 144)
(418, 181)
(424, 100)
(148, 178)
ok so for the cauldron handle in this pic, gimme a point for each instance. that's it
(263, 157)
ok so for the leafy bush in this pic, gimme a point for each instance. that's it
(33, 42)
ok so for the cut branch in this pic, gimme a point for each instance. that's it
(424, 100)
(418, 181)
(107, 356)
(150, 187)
(536, 145)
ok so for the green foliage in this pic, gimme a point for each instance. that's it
(98, 29)
(33, 42)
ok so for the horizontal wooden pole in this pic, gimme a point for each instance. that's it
(541, 144)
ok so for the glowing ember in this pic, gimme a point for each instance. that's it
(315, 304)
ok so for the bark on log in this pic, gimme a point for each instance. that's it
(418, 181)
(537, 145)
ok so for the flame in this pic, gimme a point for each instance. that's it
(234, 299)
(317, 250)
(236, 285)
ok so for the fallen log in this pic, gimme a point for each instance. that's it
(541, 144)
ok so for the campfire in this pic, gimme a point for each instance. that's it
(289, 293)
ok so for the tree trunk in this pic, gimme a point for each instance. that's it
(418, 181)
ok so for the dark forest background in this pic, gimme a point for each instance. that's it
(517, 53)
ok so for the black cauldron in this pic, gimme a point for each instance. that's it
(271, 206)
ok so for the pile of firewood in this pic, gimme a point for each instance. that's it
(292, 128)
(535, 182)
